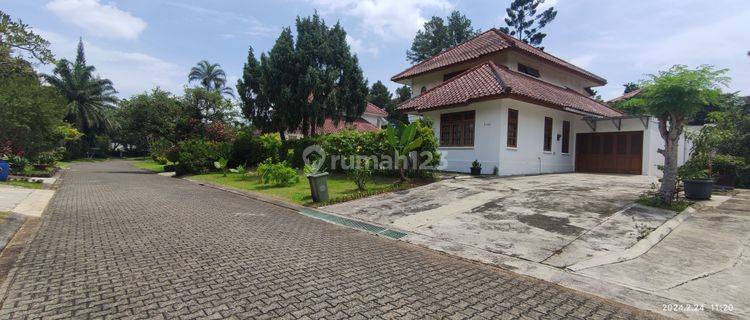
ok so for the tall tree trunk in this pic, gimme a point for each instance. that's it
(670, 128)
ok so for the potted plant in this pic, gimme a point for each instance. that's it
(476, 168)
(318, 180)
(696, 178)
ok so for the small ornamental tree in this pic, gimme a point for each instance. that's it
(673, 97)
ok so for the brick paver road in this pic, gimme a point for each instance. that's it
(118, 243)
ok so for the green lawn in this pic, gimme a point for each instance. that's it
(22, 184)
(149, 164)
(339, 186)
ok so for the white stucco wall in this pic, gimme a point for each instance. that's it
(375, 120)
(490, 140)
(529, 157)
(486, 134)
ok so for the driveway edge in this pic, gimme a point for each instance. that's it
(640, 247)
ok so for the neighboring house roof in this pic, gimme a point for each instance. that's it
(374, 110)
(489, 81)
(625, 96)
(489, 42)
(357, 125)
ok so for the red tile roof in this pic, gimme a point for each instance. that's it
(489, 42)
(372, 109)
(357, 125)
(489, 81)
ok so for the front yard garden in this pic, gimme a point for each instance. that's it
(340, 186)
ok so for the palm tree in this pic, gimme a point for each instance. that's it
(210, 76)
(89, 97)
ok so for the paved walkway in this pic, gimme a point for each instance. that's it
(705, 261)
(121, 243)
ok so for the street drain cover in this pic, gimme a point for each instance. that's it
(354, 224)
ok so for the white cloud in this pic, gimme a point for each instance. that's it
(131, 72)
(359, 47)
(583, 61)
(702, 35)
(248, 25)
(389, 19)
(103, 20)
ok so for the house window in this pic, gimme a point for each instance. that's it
(457, 129)
(566, 137)
(512, 128)
(528, 70)
(547, 134)
(448, 76)
(421, 91)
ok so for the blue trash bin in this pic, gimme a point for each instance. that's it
(4, 170)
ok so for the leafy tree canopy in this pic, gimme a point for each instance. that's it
(630, 87)
(147, 117)
(673, 97)
(303, 81)
(525, 23)
(30, 115)
(18, 43)
(437, 36)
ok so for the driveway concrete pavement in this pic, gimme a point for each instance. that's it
(704, 261)
(556, 219)
(119, 243)
(582, 231)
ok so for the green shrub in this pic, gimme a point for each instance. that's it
(292, 150)
(46, 158)
(18, 163)
(361, 173)
(195, 156)
(279, 174)
(249, 150)
(242, 171)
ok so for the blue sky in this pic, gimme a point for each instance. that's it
(140, 44)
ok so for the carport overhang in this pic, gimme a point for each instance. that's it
(591, 121)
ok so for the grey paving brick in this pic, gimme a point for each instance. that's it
(118, 243)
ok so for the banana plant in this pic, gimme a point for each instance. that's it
(402, 140)
(241, 170)
(221, 164)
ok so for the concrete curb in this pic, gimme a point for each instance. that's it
(639, 247)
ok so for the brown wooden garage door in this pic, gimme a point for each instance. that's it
(609, 152)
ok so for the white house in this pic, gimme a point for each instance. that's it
(512, 106)
(375, 115)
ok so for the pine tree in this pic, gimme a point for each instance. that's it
(436, 36)
(395, 115)
(253, 100)
(525, 24)
(279, 83)
(299, 84)
(379, 95)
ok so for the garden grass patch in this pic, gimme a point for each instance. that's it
(340, 186)
(654, 201)
(149, 165)
(22, 184)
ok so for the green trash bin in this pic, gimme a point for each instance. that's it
(319, 186)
